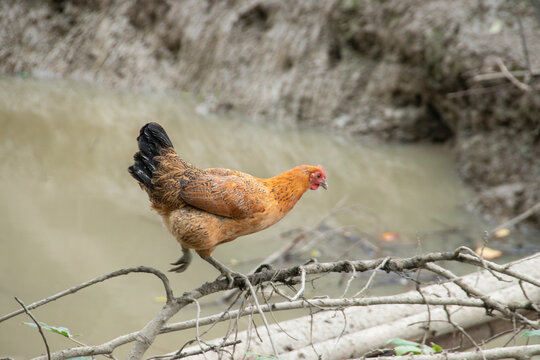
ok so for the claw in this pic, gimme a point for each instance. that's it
(183, 262)
(178, 262)
(230, 276)
(231, 280)
(225, 271)
(180, 268)
(263, 267)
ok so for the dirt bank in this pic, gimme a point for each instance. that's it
(395, 70)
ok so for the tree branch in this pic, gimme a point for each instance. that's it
(514, 352)
(473, 259)
(489, 301)
(535, 208)
(74, 289)
(38, 327)
(512, 78)
(180, 355)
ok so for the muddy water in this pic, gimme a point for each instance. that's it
(69, 211)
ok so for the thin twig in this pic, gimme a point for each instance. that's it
(476, 91)
(500, 75)
(225, 313)
(274, 317)
(240, 311)
(351, 278)
(74, 289)
(536, 5)
(428, 326)
(483, 262)
(499, 334)
(196, 351)
(302, 284)
(533, 305)
(197, 331)
(343, 329)
(250, 323)
(533, 209)
(370, 280)
(463, 332)
(254, 295)
(25, 309)
(527, 78)
(474, 259)
(311, 332)
(510, 77)
(489, 301)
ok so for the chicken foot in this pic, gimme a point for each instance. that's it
(225, 271)
(183, 262)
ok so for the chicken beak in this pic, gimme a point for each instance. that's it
(324, 184)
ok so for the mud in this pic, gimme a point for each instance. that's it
(390, 70)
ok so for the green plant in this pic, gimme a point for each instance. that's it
(56, 329)
(531, 333)
(411, 347)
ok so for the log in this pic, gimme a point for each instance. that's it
(356, 330)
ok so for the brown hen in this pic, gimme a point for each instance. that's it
(206, 208)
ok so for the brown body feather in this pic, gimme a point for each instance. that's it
(205, 208)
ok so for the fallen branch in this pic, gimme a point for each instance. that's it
(514, 352)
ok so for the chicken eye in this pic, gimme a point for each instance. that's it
(319, 175)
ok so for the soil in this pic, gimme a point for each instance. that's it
(393, 70)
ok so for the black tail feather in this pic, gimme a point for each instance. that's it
(157, 133)
(151, 140)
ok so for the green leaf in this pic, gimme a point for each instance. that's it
(57, 329)
(61, 330)
(402, 342)
(436, 348)
(531, 333)
(407, 349)
(427, 350)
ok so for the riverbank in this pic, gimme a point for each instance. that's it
(414, 71)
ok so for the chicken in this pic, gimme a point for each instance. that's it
(205, 208)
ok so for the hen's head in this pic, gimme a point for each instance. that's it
(317, 177)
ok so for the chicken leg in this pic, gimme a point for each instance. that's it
(183, 262)
(225, 271)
